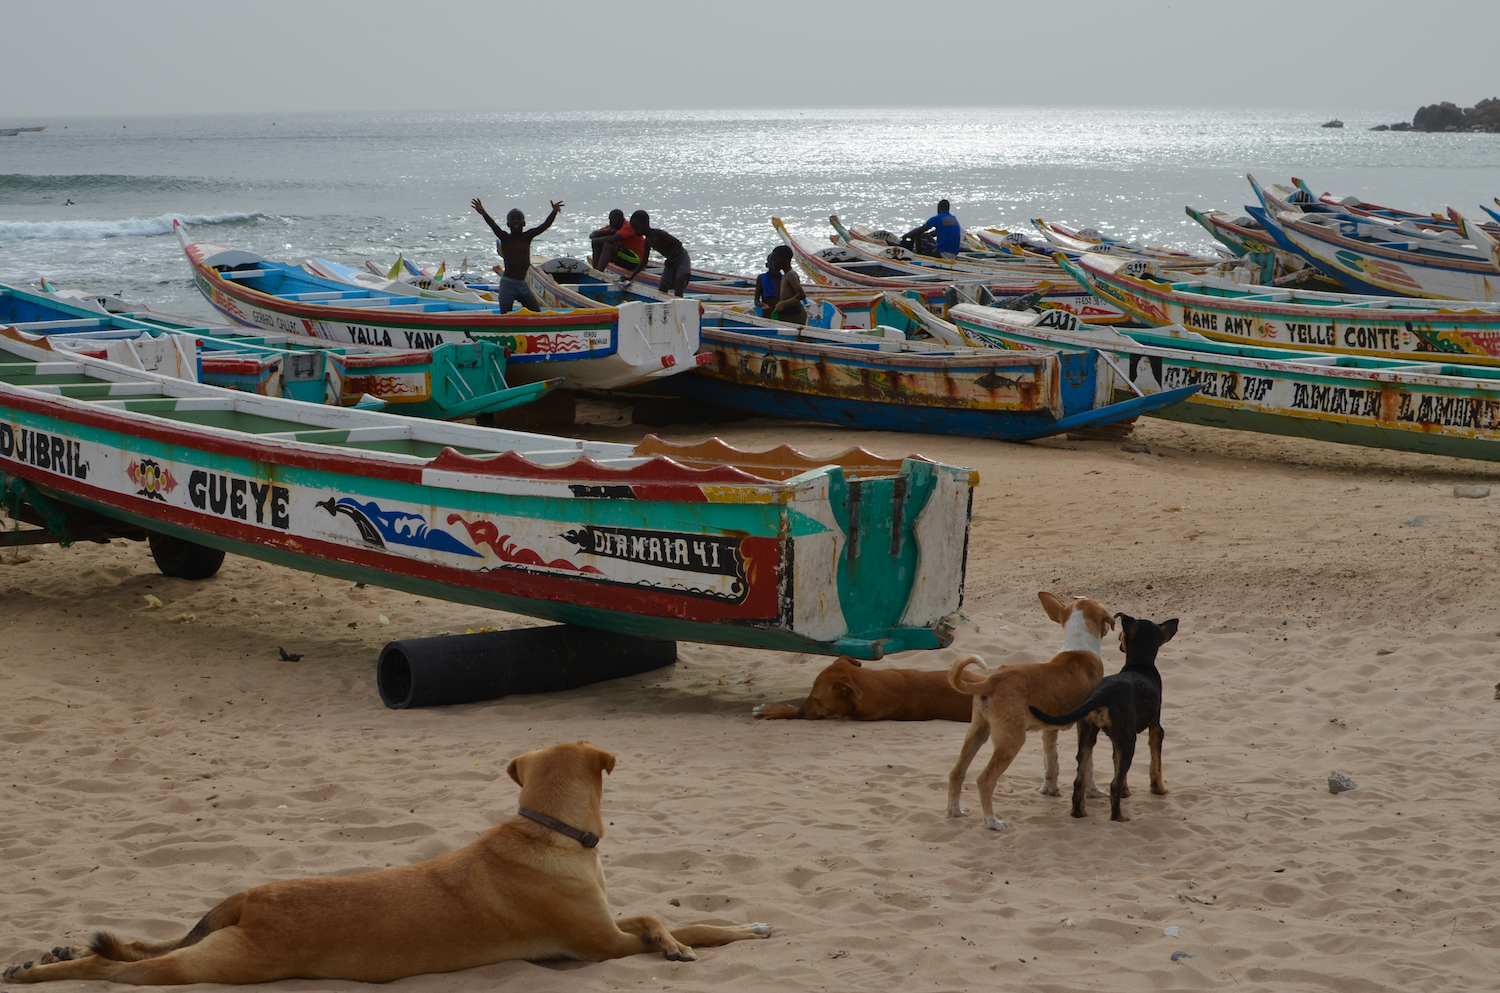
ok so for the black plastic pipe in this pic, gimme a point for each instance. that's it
(468, 668)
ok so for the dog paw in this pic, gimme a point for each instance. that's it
(760, 930)
(682, 953)
(758, 710)
(16, 972)
(957, 812)
(1052, 790)
(994, 823)
(1159, 790)
(1095, 793)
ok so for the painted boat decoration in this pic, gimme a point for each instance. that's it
(850, 555)
(1381, 403)
(1372, 255)
(1346, 323)
(600, 348)
(882, 381)
(837, 265)
(450, 381)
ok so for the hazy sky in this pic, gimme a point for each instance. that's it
(68, 57)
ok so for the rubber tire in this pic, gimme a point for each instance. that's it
(184, 559)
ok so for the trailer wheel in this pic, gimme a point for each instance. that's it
(184, 559)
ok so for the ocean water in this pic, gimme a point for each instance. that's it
(354, 186)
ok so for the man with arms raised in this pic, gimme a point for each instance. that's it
(515, 249)
(676, 266)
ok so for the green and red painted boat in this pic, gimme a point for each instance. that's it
(853, 554)
(1301, 320)
(1383, 403)
(597, 348)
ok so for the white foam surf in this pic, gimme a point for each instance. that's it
(93, 230)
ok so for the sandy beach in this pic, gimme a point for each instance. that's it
(1332, 606)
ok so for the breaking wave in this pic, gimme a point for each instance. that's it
(130, 227)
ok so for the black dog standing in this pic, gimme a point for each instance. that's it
(1122, 705)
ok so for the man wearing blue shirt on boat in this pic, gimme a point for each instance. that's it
(949, 232)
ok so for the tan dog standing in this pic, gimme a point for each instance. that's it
(529, 888)
(1002, 700)
(847, 690)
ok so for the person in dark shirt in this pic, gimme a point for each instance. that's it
(676, 265)
(616, 241)
(787, 304)
(949, 231)
(514, 247)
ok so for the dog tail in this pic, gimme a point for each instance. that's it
(959, 682)
(1093, 702)
(224, 915)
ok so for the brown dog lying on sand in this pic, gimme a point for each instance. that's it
(529, 888)
(1003, 697)
(848, 691)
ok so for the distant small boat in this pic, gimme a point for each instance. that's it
(9, 132)
(1335, 123)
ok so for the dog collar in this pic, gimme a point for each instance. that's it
(587, 839)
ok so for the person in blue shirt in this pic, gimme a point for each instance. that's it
(947, 229)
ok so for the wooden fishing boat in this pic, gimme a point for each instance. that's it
(1389, 327)
(1241, 235)
(852, 555)
(882, 381)
(599, 348)
(967, 266)
(1075, 240)
(838, 265)
(450, 381)
(1374, 255)
(1382, 403)
(1363, 208)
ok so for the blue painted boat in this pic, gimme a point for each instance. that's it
(881, 380)
(450, 381)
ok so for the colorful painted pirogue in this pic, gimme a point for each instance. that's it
(851, 554)
(599, 348)
(822, 264)
(452, 380)
(1389, 327)
(1380, 256)
(1383, 403)
(889, 383)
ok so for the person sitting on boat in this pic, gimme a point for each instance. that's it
(514, 247)
(676, 265)
(787, 303)
(768, 287)
(616, 242)
(948, 230)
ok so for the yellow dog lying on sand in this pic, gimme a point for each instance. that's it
(530, 888)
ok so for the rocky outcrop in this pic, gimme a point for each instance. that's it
(1446, 116)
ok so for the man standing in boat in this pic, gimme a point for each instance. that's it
(616, 242)
(949, 232)
(676, 266)
(515, 249)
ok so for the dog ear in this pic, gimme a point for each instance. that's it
(854, 662)
(513, 770)
(1109, 623)
(1168, 628)
(1052, 605)
(843, 687)
(606, 760)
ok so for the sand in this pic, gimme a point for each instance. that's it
(1336, 610)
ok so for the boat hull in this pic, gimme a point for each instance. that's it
(1411, 408)
(805, 558)
(1381, 327)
